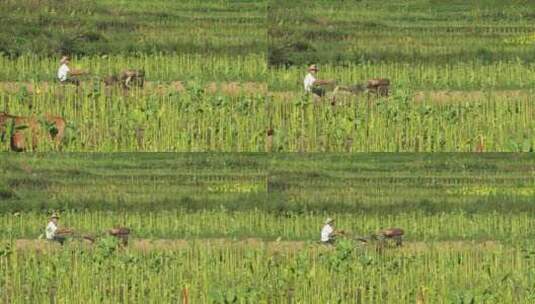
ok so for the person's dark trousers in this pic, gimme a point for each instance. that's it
(71, 80)
(329, 242)
(320, 91)
(59, 239)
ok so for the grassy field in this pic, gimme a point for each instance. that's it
(233, 274)
(175, 116)
(414, 31)
(461, 74)
(107, 27)
(215, 225)
(204, 63)
(226, 76)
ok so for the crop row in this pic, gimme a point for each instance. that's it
(413, 31)
(195, 120)
(475, 75)
(158, 67)
(400, 125)
(454, 225)
(254, 274)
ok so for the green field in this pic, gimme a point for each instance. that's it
(461, 73)
(104, 27)
(204, 63)
(423, 32)
(209, 225)
(218, 224)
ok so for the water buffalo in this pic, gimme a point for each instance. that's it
(26, 130)
(127, 79)
(378, 86)
(121, 233)
(395, 234)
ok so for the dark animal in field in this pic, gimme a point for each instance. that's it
(121, 233)
(381, 86)
(378, 87)
(395, 234)
(28, 129)
(132, 77)
(127, 79)
(384, 235)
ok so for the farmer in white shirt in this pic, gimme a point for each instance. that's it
(65, 75)
(52, 229)
(313, 85)
(327, 232)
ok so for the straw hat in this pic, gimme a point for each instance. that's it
(313, 68)
(64, 59)
(328, 221)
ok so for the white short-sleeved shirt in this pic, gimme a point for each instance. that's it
(326, 232)
(309, 82)
(51, 230)
(62, 72)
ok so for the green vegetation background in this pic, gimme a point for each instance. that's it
(378, 184)
(97, 27)
(422, 31)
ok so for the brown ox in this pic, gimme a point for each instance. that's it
(395, 234)
(28, 128)
(127, 79)
(121, 233)
(381, 86)
(378, 86)
(381, 237)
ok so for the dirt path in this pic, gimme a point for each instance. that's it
(146, 245)
(448, 96)
(226, 88)
(438, 96)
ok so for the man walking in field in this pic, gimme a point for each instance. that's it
(65, 74)
(313, 85)
(52, 230)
